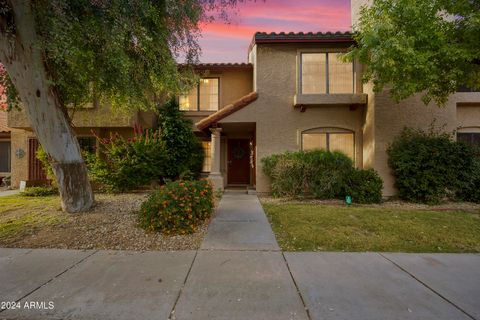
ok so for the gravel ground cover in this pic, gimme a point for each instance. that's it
(111, 224)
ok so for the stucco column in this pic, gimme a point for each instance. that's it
(215, 175)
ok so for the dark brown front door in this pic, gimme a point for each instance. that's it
(238, 161)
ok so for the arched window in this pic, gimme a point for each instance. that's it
(331, 139)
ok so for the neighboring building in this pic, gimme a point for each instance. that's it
(90, 122)
(293, 94)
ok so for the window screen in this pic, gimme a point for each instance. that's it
(204, 96)
(332, 141)
(314, 73)
(88, 144)
(325, 73)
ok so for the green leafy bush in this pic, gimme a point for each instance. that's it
(471, 190)
(42, 156)
(40, 191)
(319, 173)
(127, 164)
(151, 156)
(184, 150)
(430, 166)
(178, 207)
(364, 186)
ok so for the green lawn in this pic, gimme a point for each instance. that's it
(22, 214)
(312, 227)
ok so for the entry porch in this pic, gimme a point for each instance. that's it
(231, 155)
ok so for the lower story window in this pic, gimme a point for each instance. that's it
(329, 140)
(88, 144)
(207, 161)
(471, 138)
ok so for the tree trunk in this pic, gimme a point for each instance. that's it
(24, 63)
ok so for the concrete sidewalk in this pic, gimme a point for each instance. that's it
(238, 275)
(6, 193)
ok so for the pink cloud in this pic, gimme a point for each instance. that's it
(223, 42)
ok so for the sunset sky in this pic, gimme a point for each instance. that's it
(223, 42)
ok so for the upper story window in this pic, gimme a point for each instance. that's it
(324, 73)
(203, 97)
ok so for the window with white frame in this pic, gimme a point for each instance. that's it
(330, 139)
(322, 73)
(207, 160)
(203, 97)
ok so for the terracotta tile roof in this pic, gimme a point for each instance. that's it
(292, 37)
(225, 65)
(221, 66)
(226, 111)
(3, 122)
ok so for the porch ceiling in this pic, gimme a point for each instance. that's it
(237, 127)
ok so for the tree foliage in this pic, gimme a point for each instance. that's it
(413, 46)
(124, 52)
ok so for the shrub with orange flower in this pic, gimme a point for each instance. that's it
(178, 207)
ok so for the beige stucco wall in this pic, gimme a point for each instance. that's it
(19, 166)
(390, 118)
(99, 116)
(234, 84)
(385, 119)
(278, 123)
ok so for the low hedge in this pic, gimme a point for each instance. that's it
(40, 191)
(364, 186)
(178, 207)
(321, 174)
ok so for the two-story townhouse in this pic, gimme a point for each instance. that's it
(293, 94)
(304, 97)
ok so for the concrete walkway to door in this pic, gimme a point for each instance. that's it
(239, 273)
(240, 224)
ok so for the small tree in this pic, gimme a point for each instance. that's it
(184, 151)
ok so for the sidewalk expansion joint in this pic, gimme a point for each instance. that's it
(55, 277)
(243, 250)
(297, 288)
(245, 220)
(428, 287)
(172, 312)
